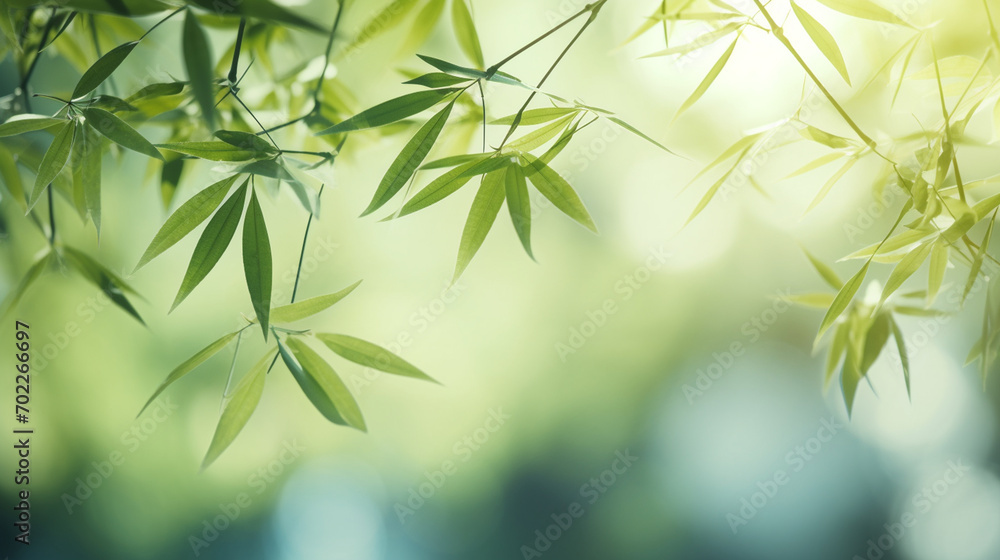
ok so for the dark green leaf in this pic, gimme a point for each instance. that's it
(557, 190)
(257, 261)
(437, 80)
(53, 161)
(19, 124)
(322, 385)
(198, 61)
(392, 111)
(213, 151)
(246, 141)
(519, 205)
(119, 132)
(96, 74)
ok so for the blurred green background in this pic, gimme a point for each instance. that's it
(578, 387)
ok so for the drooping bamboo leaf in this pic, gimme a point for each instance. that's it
(823, 39)
(906, 267)
(422, 27)
(108, 282)
(837, 350)
(875, 340)
(213, 243)
(87, 173)
(189, 365)
(309, 307)
(483, 213)
(815, 164)
(640, 134)
(370, 355)
(322, 384)
(538, 137)
(437, 79)
(963, 223)
(843, 299)
(246, 397)
(96, 74)
(29, 278)
(833, 180)
(708, 80)
(257, 261)
(825, 271)
(700, 42)
(198, 61)
(392, 111)
(977, 263)
(450, 68)
(20, 124)
(710, 193)
(408, 160)
(533, 117)
(451, 181)
(53, 161)
(263, 10)
(904, 357)
(850, 377)
(183, 221)
(519, 205)
(465, 31)
(119, 132)
(557, 190)
(939, 264)
(11, 178)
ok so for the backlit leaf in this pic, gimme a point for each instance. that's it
(322, 385)
(309, 307)
(246, 397)
(483, 213)
(370, 355)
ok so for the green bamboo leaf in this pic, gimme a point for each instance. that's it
(392, 111)
(213, 151)
(557, 190)
(53, 161)
(20, 124)
(465, 31)
(450, 68)
(370, 355)
(533, 117)
(519, 205)
(850, 377)
(939, 264)
(105, 280)
(257, 261)
(246, 141)
(451, 181)
(113, 104)
(386, 19)
(198, 61)
(816, 164)
(823, 137)
(843, 299)
(409, 159)
(322, 385)
(709, 79)
(904, 357)
(213, 243)
(10, 176)
(87, 173)
(538, 137)
(837, 350)
(906, 267)
(309, 307)
(452, 161)
(701, 41)
(96, 74)
(963, 223)
(977, 263)
(119, 132)
(189, 365)
(483, 213)
(833, 180)
(262, 10)
(640, 134)
(710, 193)
(186, 218)
(825, 271)
(29, 278)
(437, 79)
(246, 397)
(823, 39)
(891, 245)
(875, 340)
(864, 9)
(422, 27)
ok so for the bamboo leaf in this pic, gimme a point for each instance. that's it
(465, 31)
(449, 182)
(189, 365)
(701, 41)
(104, 67)
(708, 80)
(186, 218)
(519, 205)
(423, 25)
(213, 151)
(977, 263)
(483, 213)
(392, 111)
(246, 397)
(119, 132)
(538, 137)
(837, 350)
(450, 68)
(833, 180)
(53, 161)
(29, 278)
(20, 124)
(437, 79)
(105, 280)
(370, 355)
(257, 261)
(322, 385)
(246, 141)
(906, 267)
(409, 159)
(825, 271)
(309, 307)
(823, 39)
(87, 173)
(843, 299)
(533, 117)
(198, 61)
(557, 190)
(850, 377)
(875, 340)
(213, 243)
(904, 357)
(939, 264)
